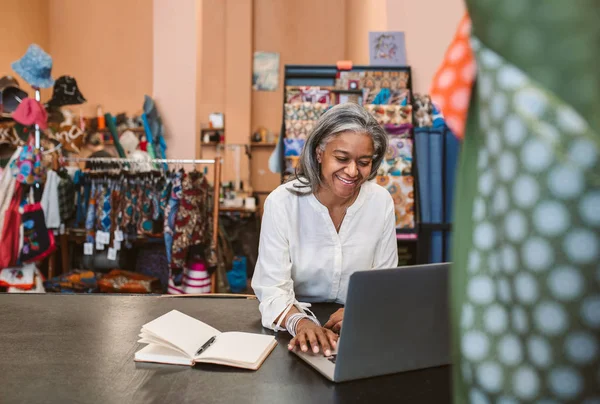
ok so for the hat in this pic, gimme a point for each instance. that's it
(31, 112)
(66, 92)
(11, 95)
(35, 67)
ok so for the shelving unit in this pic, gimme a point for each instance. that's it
(325, 76)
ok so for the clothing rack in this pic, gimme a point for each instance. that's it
(216, 184)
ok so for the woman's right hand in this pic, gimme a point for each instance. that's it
(318, 338)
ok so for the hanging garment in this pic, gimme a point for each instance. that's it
(7, 188)
(11, 233)
(192, 221)
(90, 217)
(171, 213)
(28, 166)
(66, 196)
(50, 200)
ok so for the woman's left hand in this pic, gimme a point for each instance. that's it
(335, 321)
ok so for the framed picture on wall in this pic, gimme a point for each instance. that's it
(387, 48)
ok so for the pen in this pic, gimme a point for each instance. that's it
(206, 345)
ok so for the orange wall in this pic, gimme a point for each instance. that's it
(363, 16)
(107, 46)
(302, 32)
(175, 46)
(23, 23)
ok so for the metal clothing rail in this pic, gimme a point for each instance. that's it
(126, 160)
(216, 183)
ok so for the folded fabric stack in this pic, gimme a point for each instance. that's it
(77, 281)
(303, 107)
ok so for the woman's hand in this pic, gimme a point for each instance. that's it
(335, 321)
(308, 332)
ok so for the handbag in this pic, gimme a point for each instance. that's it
(38, 241)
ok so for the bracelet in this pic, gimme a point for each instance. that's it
(294, 319)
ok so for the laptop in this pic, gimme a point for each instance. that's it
(395, 320)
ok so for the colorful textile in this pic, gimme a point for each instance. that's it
(196, 279)
(21, 277)
(90, 217)
(192, 224)
(171, 213)
(38, 241)
(293, 147)
(11, 237)
(7, 188)
(77, 281)
(402, 191)
(398, 158)
(304, 111)
(315, 94)
(390, 114)
(298, 129)
(525, 283)
(28, 166)
(451, 88)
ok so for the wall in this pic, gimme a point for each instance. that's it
(175, 63)
(107, 46)
(429, 26)
(362, 17)
(24, 23)
(302, 32)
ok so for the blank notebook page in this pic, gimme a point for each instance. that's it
(181, 330)
(238, 347)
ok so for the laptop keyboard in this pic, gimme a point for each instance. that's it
(332, 358)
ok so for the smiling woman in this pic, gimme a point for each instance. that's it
(319, 228)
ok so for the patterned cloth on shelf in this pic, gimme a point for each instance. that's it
(298, 129)
(398, 158)
(390, 114)
(310, 94)
(304, 111)
(525, 279)
(402, 191)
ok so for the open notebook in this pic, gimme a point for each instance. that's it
(175, 338)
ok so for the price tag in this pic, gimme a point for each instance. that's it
(88, 249)
(99, 245)
(61, 230)
(118, 235)
(103, 237)
(117, 245)
(112, 254)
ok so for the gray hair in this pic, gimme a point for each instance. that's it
(348, 117)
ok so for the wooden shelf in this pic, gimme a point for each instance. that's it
(262, 144)
(347, 91)
(212, 144)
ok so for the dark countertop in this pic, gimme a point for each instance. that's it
(79, 348)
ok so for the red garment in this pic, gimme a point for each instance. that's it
(9, 248)
(31, 112)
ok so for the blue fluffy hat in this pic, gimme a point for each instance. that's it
(35, 67)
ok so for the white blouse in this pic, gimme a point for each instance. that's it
(302, 258)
